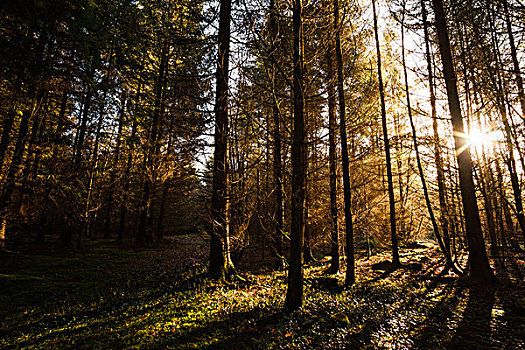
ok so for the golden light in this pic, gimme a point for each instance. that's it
(479, 140)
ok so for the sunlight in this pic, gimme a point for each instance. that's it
(481, 140)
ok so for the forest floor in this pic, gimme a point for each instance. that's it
(106, 297)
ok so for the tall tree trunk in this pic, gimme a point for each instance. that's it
(435, 227)
(277, 148)
(509, 230)
(220, 261)
(88, 215)
(82, 129)
(307, 249)
(294, 292)
(515, 61)
(144, 232)
(12, 170)
(113, 175)
(391, 199)
(17, 158)
(347, 194)
(126, 179)
(480, 270)
(332, 158)
(165, 189)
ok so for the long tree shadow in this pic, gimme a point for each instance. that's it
(433, 330)
(238, 330)
(509, 325)
(474, 330)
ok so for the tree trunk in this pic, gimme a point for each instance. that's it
(277, 148)
(515, 61)
(144, 232)
(435, 227)
(294, 292)
(347, 194)
(13, 167)
(332, 158)
(6, 135)
(307, 248)
(480, 270)
(17, 158)
(81, 134)
(220, 261)
(127, 171)
(113, 175)
(391, 199)
(444, 212)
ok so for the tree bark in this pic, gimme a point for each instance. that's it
(113, 175)
(144, 232)
(332, 158)
(444, 212)
(294, 292)
(435, 227)
(277, 148)
(347, 194)
(480, 270)
(515, 61)
(127, 171)
(391, 199)
(220, 262)
(6, 136)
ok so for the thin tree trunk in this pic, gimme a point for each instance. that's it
(109, 199)
(307, 249)
(81, 134)
(480, 270)
(277, 148)
(332, 158)
(294, 292)
(6, 136)
(500, 101)
(515, 61)
(13, 167)
(165, 191)
(391, 199)
(17, 158)
(144, 234)
(435, 227)
(347, 194)
(127, 171)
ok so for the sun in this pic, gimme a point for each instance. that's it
(484, 140)
(479, 139)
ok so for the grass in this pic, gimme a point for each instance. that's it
(105, 297)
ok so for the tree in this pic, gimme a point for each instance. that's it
(220, 261)
(435, 227)
(332, 159)
(480, 270)
(391, 199)
(277, 148)
(294, 292)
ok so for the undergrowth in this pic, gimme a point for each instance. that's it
(104, 297)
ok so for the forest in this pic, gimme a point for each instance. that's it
(262, 174)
